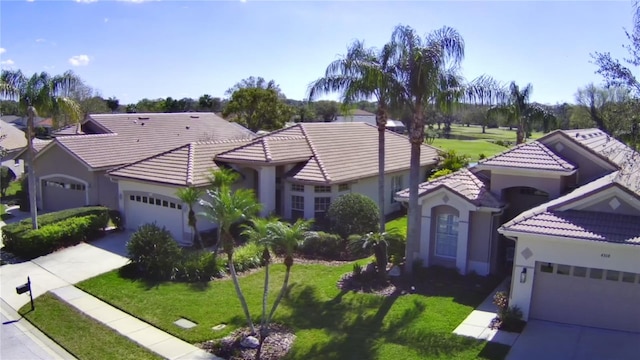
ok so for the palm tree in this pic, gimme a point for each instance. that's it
(217, 179)
(288, 237)
(422, 67)
(44, 95)
(260, 232)
(364, 73)
(226, 208)
(486, 92)
(377, 241)
(191, 196)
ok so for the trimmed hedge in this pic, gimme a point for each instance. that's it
(19, 238)
(353, 214)
(323, 245)
(51, 237)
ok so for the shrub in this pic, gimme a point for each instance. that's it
(247, 257)
(197, 266)
(396, 246)
(23, 194)
(13, 232)
(357, 271)
(501, 300)
(6, 177)
(116, 218)
(323, 245)
(353, 214)
(53, 236)
(154, 252)
(482, 156)
(440, 173)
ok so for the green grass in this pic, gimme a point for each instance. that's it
(13, 188)
(80, 335)
(328, 323)
(472, 148)
(475, 132)
(397, 225)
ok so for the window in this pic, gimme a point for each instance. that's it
(344, 187)
(152, 201)
(132, 198)
(322, 189)
(297, 207)
(297, 187)
(158, 202)
(165, 203)
(447, 235)
(613, 275)
(579, 271)
(546, 268)
(179, 207)
(595, 273)
(563, 269)
(144, 199)
(172, 205)
(138, 198)
(320, 206)
(396, 185)
(628, 277)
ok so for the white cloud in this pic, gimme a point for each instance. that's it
(86, 1)
(31, 0)
(40, 40)
(3, 50)
(79, 60)
(7, 63)
(106, 19)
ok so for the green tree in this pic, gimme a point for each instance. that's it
(361, 74)
(226, 208)
(208, 103)
(485, 91)
(422, 65)
(258, 83)
(353, 214)
(327, 110)
(40, 94)
(376, 241)
(191, 196)
(113, 104)
(258, 109)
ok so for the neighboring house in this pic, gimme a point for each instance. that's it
(13, 140)
(296, 172)
(562, 214)
(71, 169)
(38, 122)
(366, 117)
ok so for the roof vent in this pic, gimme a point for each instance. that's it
(142, 124)
(143, 118)
(577, 135)
(187, 127)
(194, 116)
(135, 121)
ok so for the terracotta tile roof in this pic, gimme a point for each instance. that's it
(14, 137)
(330, 152)
(39, 144)
(583, 225)
(464, 182)
(67, 131)
(532, 155)
(186, 165)
(139, 136)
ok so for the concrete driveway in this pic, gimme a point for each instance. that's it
(64, 267)
(550, 341)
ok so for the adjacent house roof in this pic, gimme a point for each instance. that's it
(530, 156)
(469, 184)
(133, 137)
(329, 152)
(68, 130)
(584, 225)
(602, 144)
(187, 165)
(14, 138)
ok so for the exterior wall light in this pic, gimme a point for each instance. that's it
(523, 275)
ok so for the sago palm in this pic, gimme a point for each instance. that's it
(226, 208)
(44, 95)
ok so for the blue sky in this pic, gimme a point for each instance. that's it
(136, 49)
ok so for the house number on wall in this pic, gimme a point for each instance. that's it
(605, 255)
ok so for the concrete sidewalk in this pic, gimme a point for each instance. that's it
(476, 325)
(136, 330)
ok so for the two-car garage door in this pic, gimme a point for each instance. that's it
(586, 296)
(149, 208)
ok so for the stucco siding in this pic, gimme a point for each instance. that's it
(588, 169)
(480, 236)
(500, 182)
(105, 192)
(623, 207)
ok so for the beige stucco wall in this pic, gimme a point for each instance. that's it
(500, 182)
(105, 191)
(623, 208)
(588, 167)
(480, 237)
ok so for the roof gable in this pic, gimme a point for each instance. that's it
(530, 156)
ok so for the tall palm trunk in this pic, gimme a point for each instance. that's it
(264, 323)
(193, 223)
(236, 284)
(381, 120)
(413, 220)
(31, 112)
(285, 283)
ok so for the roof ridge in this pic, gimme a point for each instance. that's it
(267, 151)
(315, 154)
(190, 157)
(222, 141)
(85, 136)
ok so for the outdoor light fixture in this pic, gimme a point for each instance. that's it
(523, 275)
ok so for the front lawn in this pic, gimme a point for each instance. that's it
(328, 323)
(13, 188)
(80, 335)
(471, 148)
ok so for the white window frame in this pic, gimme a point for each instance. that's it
(396, 185)
(321, 207)
(297, 188)
(447, 233)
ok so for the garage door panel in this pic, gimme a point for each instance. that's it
(62, 194)
(165, 212)
(604, 299)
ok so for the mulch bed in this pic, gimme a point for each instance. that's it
(276, 346)
(514, 326)
(370, 284)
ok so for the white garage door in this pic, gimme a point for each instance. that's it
(586, 296)
(164, 211)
